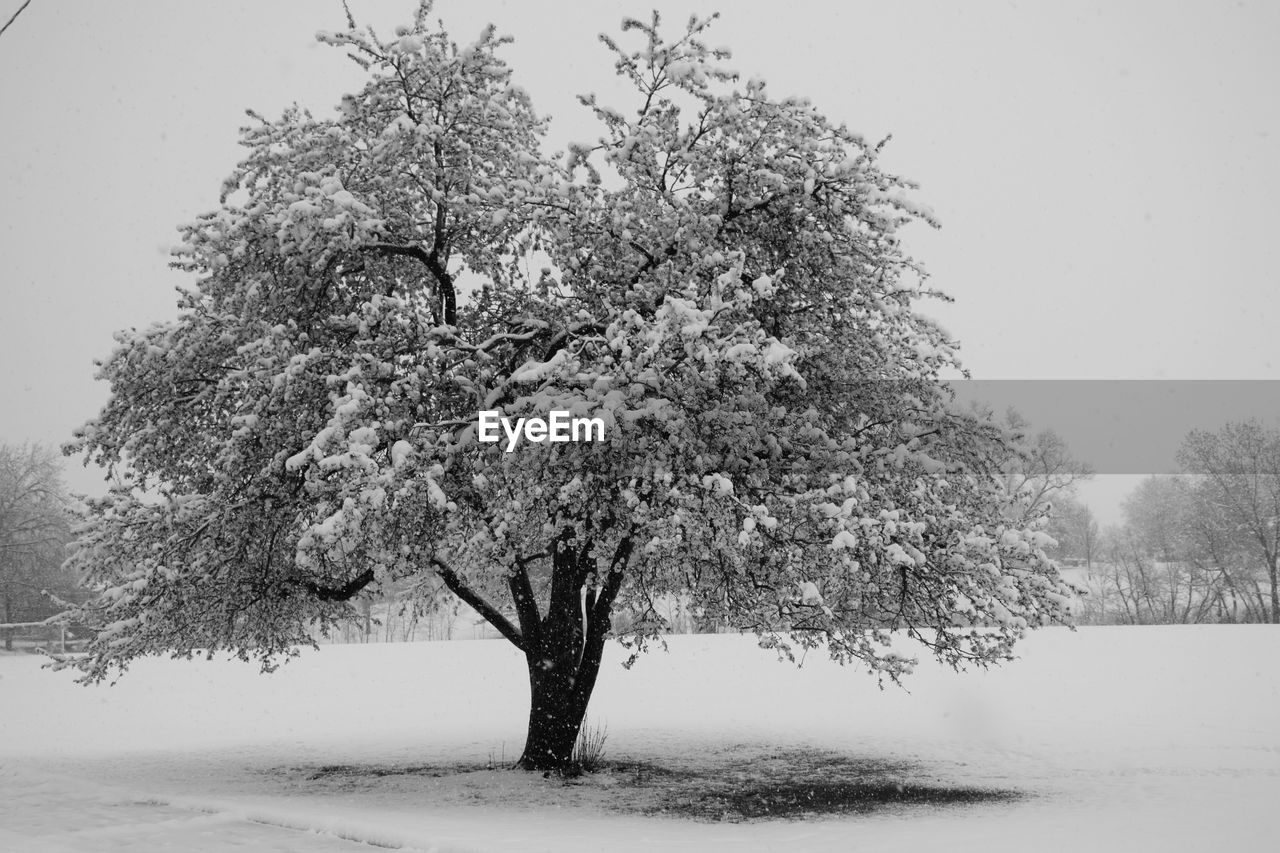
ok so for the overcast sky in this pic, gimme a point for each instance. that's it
(1106, 173)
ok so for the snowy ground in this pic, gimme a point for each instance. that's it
(1116, 739)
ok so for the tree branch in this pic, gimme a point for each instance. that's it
(612, 584)
(484, 608)
(526, 606)
(342, 593)
(403, 251)
(597, 628)
(14, 17)
(431, 260)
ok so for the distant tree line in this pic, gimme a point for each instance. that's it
(1196, 546)
(35, 528)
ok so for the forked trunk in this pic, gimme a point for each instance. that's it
(562, 648)
(563, 651)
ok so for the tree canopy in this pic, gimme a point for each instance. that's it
(719, 278)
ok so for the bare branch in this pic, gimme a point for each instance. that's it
(14, 17)
(484, 608)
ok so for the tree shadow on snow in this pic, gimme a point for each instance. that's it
(748, 785)
(735, 784)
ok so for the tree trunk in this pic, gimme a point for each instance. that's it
(8, 617)
(558, 696)
(563, 650)
(1275, 589)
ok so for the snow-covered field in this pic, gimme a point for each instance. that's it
(1118, 738)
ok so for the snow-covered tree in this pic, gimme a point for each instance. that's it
(1075, 530)
(719, 279)
(34, 530)
(1040, 470)
(1236, 510)
(1156, 568)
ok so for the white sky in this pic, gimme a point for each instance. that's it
(1106, 173)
